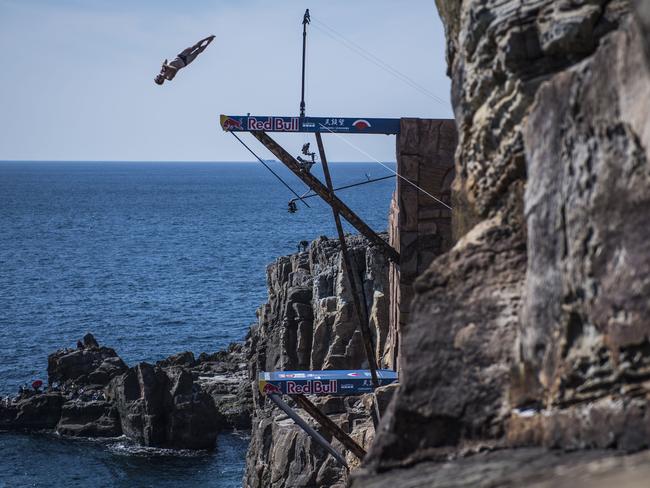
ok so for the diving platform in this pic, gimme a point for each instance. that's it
(297, 384)
(330, 382)
(293, 124)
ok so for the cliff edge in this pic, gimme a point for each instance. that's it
(533, 330)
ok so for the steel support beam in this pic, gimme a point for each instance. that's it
(319, 439)
(329, 426)
(317, 187)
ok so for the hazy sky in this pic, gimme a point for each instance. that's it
(77, 81)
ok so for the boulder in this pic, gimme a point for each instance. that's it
(164, 408)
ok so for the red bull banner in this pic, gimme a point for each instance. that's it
(330, 382)
(273, 123)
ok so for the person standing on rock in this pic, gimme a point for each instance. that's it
(185, 57)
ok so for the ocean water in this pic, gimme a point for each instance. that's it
(153, 259)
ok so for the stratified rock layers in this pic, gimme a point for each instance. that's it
(542, 304)
(308, 323)
(585, 327)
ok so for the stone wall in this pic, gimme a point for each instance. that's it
(419, 226)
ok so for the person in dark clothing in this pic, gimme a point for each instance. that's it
(306, 164)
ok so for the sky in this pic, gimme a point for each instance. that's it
(77, 81)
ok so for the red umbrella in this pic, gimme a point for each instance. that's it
(37, 384)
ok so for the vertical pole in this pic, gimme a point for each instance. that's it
(347, 264)
(305, 20)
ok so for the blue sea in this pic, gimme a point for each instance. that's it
(153, 259)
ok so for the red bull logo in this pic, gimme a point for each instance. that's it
(228, 123)
(317, 387)
(271, 388)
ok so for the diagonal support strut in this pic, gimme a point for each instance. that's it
(317, 187)
(329, 426)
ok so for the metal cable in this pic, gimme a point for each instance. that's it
(387, 167)
(267, 167)
(308, 195)
(351, 45)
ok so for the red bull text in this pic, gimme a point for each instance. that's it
(317, 387)
(276, 124)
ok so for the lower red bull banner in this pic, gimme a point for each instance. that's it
(274, 123)
(330, 382)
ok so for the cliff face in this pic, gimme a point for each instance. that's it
(308, 323)
(542, 304)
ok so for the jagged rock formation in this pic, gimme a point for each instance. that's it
(542, 304)
(308, 323)
(181, 402)
(89, 364)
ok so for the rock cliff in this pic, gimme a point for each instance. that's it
(308, 323)
(533, 329)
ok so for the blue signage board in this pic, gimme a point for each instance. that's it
(330, 382)
(273, 123)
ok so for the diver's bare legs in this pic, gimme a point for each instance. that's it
(191, 53)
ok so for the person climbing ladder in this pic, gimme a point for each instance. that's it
(185, 57)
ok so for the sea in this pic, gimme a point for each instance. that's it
(153, 258)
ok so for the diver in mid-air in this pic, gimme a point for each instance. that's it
(185, 57)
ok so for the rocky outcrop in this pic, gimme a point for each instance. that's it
(181, 402)
(163, 407)
(89, 365)
(308, 323)
(533, 329)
